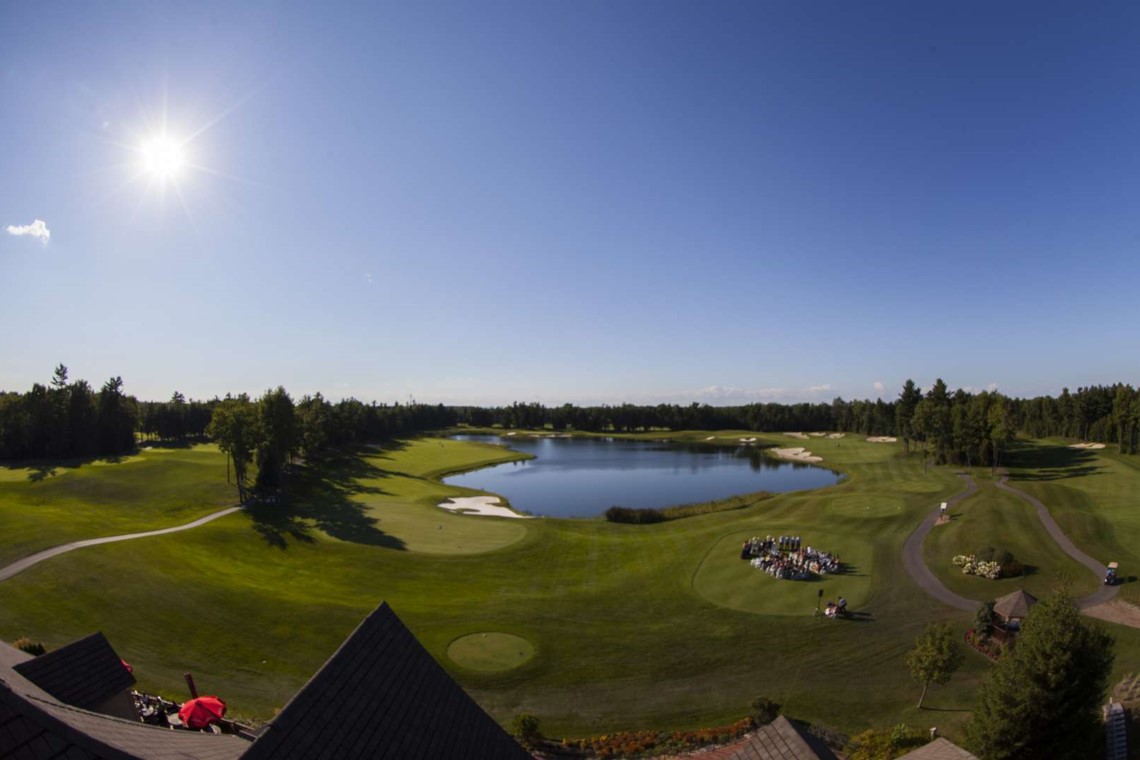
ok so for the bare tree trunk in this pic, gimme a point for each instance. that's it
(923, 695)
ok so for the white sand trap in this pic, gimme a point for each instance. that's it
(511, 433)
(817, 435)
(748, 440)
(835, 435)
(882, 439)
(1087, 446)
(711, 438)
(479, 505)
(798, 454)
(801, 436)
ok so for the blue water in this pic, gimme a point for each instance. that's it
(583, 477)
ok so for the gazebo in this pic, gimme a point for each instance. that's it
(1011, 609)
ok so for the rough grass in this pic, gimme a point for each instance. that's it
(625, 634)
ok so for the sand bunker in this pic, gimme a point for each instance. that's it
(882, 439)
(801, 436)
(817, 435)
(711, 438)
(798, 454)
(748, 440)
(836, 435)
(1087, 446)
(479, 505)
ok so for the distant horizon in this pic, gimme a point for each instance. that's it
(823, 395)
(594, 202)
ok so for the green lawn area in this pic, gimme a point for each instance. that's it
(1001, 521)
(48, 505)
(652, 626)
(1094, 495)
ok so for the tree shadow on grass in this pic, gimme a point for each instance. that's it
(320, 496)
(42, 469)
(1052, 462)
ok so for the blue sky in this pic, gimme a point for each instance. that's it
(585, 202)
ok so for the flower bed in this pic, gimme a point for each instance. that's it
(987, 646)
(971, 565)
(631, 744)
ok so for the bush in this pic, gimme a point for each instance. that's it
(634, 516)
(525, 727)
(34, 648)
(763, 711)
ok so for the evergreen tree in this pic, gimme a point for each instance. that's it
(1043, 698)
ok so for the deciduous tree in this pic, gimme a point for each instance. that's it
(935, 657)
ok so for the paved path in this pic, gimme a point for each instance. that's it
(1106, 592)
(928, 582)
(23, 564)
(912, 556)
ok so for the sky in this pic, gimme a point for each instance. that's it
(586, 202)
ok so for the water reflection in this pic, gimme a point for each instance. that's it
(582, 477)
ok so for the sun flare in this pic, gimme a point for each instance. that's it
(162, 157)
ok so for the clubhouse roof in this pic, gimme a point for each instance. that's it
(381, 695)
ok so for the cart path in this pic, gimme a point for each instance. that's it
(34, 559)
(1099, 604)
(916, 567)
(1106, 593)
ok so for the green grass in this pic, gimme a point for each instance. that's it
(1004, 522)
(1093, 495)
(633, 626)
(48, 505)
(490, 651)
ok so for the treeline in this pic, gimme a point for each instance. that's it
(66, 419)
(272, 430)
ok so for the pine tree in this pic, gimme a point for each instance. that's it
(1043, 698)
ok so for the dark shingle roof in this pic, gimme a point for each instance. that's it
(780, 740)
(84, 673)
(939, 749)
(34, 725)
(382, 695)
(1014, 605)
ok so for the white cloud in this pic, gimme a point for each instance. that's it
(37, 229)
(992, 387)
(731, 394)
(879, 386)
(368, 276)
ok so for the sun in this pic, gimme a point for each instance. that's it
(162, 157)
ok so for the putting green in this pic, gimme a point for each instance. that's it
(490, 651)
(723, 578)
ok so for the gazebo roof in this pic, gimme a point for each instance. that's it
(1015, 605)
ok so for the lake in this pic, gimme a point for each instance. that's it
(583, 477)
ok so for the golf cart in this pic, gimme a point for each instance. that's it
(1110, 576)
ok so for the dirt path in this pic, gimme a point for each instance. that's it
(23, 564)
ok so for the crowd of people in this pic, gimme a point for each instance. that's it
(785, 557)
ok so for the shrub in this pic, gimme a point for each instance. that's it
(763, 711)
(634, 516)
(525, 727)
(34, 648)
